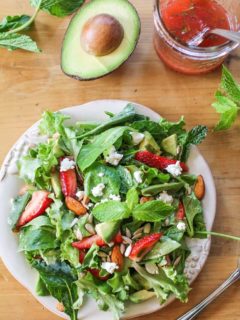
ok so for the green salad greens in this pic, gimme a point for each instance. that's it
(106, 209)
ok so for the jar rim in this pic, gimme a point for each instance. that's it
(195, 52)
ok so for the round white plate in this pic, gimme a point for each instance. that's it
(10, 184)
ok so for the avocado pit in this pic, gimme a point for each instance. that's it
(101, 35)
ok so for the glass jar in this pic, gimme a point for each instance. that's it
(191, 60)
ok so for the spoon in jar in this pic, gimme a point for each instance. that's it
(198, 39)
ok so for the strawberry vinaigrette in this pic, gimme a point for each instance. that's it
(184, 19)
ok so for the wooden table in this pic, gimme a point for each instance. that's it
(32, 83)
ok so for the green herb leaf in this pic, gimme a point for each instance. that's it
(228, 110)
(13, 41)
(152, 211)
(111, 211)
(132, 198)
(59, 8)
(155, 189)
(13, 22)
(229, 85)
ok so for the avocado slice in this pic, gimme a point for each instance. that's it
(149, 143)
(56, 184)
(141, 296)
(107, 230)
(100, 37)
(169, 144)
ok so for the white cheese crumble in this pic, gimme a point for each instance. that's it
(138, 176)
(181, 226)
(80, 194)
(98, 190)
(101, 174)
(67, 164)
(137, 137)
(165, 197)
(109, 266)
(114, 157)
(114, 197)
(174, 169)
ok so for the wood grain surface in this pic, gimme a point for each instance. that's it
(31, 83)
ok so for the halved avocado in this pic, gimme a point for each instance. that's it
(100, 37)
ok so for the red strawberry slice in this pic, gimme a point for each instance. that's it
(94, 272)
(36, 207)
(86, 243)
(68, 181)
(143, 246)
(181, 211)
(153, 160)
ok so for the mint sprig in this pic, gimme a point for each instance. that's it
(227, 102)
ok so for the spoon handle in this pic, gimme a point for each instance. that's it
(231, 35)
(191, 314)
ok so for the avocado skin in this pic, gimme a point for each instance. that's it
(104, 75)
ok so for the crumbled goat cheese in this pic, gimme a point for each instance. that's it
(80, 194)
(67, 164)
(181, 226)
(114, 197)
(165, 197)
(137, 137)
(98, 190)
(138, 176)
(114, 157)
(101, 174)
(109, 266)
(174, 169)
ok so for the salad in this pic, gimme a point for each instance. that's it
(106, 208)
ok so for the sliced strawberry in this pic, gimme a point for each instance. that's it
(181, 211)
(153, 160)
(68, 181)
(86, 243)
(143, 246)
(36, 207)
(94, 272)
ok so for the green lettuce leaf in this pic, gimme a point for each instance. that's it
(68, 252)
(110, 179)
(59, 280)
(90, 152)
(18, 206)
(12, 22)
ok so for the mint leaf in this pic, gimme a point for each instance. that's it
(132, 198)
(111, 211)
(13, 41)
(229, 85)
(13, 22)
(228, 110)
(59, 8)
(152, 211)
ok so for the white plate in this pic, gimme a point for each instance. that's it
(10, 184)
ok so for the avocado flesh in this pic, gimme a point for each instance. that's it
(77, 63)
(169, 144)
(141, 295)
(56, 184)
(107, 230)
(149, 143)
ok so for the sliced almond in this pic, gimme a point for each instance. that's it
(137, 236)
(75, 206)
(128, 250)
(89, 227)
(126, 240)
(199, 188)
(86, 200)
(128, 233)
(122, 248)
(60, 307)
(147, 228)
(146, 199)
